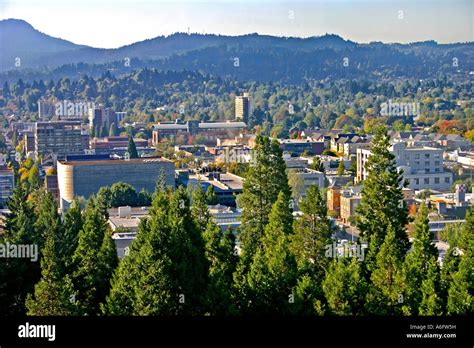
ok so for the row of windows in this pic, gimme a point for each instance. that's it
(426, 181)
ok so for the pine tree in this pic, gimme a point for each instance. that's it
(340, 168)
(345, 287)
(431, 302)
(307, 297)
(386, 293)
(211, 197)
(220, 253)
(272, 274)
(72, 227)
(132, 149)
(18, 275)
(419, 260)
(313, 232)
(141, 283)
(186, 253)
(166, 269)
(461, 290)
(380, 205)
(461, 285)
(93, 260)
(265, 179)
(199, 208)
(54, 294)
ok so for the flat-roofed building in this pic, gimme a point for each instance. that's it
(51, 185)
(243, 107)
(333, 199)
(7, 183)
(107, 144)
(349, 201)
(85, 177)
(298, 146)
(185, 133)
(60, 138)
(422, 166)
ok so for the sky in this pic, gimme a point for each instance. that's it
(114, 23)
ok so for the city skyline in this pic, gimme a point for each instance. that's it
(104, 25)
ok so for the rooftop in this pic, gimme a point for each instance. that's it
(116, 161)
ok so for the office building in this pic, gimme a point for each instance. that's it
(85, 175)
(59, 138)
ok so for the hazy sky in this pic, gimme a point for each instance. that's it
(114, 23)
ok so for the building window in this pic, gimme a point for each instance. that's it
(427, 181)
(437, 163)
(427, 155)
(436, 180)
(446, 180)
(417, 181)
(427, 163)
(437, 170)
(417, 156)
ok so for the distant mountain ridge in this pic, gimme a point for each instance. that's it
(327, 54)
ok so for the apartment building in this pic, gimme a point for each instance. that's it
(422, 166)
(243, 107)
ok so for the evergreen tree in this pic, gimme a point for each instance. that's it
(307, 297)
(211, 197)
(419, 260)
(132, 149)
(386, 293)
(137, 278)
(166, 269)
(313, 232)
(19, 275)
(72, 228)
(199, 208)
(93, 260)
(345, 287)
(187, 253)
(340, 168)
(380, 205)
(220, 253)
(461, 285)
(431, 301)
(266, 177)
(54, 294)
(272, 274)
